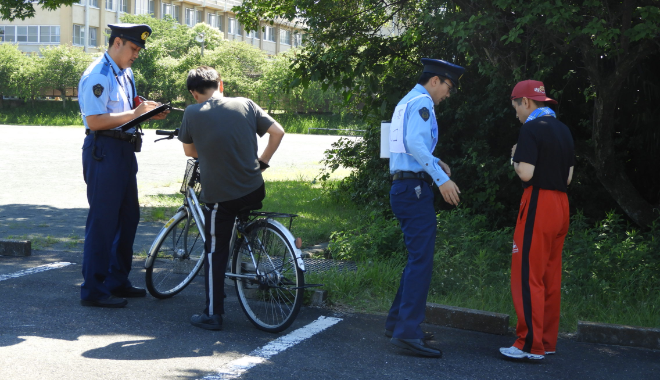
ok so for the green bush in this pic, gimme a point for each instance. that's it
(610, 273)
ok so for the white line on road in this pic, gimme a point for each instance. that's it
(41, 268)
(237, 367)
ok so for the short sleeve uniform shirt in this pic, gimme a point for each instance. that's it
(100, 91)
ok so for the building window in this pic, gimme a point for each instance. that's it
(285, 37)
(108, 32)
(220, 23)
(167, 9)
(199, 17)
(141, 7)
(176, 9)
(213, 20)
(92, 37)
(9, 33)
(45, 34)
(152, 7)
(25, 33)
(269, 34)
(110, 5)
(190, 17)
(297, 39)
(78, 35)
(49, 34)
(124, 6)
(92, 3)
(232, 26)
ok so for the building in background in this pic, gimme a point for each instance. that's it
(85, 24)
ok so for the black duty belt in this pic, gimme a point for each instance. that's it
(413, 175)
(115, 134)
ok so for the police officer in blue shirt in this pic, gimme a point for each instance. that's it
(108, 98)
(414, 171)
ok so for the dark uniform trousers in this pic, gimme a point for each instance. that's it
(418, 222)
(114, 213)
(220, 218)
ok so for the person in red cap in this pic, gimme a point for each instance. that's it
(543, 159)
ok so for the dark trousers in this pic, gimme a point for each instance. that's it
(113, 216)
(417, 218)
(219, 223)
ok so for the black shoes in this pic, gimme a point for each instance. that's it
(112, 301)
(417, 346)
(213, 322)
(131, 292)
(427, 335)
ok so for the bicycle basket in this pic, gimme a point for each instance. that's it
(192, 173)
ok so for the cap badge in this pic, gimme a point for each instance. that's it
(540, 89)
(144, 36)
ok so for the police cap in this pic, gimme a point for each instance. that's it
(135, 33)
(444, 68)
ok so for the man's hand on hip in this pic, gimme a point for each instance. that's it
(450, 192)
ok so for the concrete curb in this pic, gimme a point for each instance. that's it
(314, 251)
(467, 319)
(15, 247)
(621, 335)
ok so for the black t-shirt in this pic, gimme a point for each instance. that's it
(546, 143)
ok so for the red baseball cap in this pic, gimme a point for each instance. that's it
(531, 89)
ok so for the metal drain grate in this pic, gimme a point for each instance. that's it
(324, 265)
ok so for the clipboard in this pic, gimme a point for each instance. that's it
(145, 116)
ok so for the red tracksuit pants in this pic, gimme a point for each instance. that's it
(538, 241)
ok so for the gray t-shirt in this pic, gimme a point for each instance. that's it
(224, 133)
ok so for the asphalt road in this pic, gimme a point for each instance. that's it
(46, 334)
(43, 194)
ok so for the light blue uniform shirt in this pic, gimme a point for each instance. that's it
(99, 90)
(420, 138)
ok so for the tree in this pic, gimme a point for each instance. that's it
(30, 77)
(609, 39)
(10, 64)
(157, 71)
(591, 53)
(61, 68)
(13, 9)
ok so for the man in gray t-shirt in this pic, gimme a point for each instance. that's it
(222, 133)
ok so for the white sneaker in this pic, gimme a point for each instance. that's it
(515, 353)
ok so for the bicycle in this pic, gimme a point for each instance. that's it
(265, 260)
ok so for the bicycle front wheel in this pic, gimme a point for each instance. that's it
(178, 255)
(272, 297)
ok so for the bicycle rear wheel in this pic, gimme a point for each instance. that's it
(177, 257)
(272, 299)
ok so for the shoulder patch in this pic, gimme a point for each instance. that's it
(424, 113)
(98, 90)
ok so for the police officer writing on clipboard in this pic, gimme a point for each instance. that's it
(414, 171)
(108, 98)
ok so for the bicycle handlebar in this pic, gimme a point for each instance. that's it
(167, 133)
(170, 134)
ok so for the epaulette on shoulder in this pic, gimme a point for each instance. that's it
(105, 69)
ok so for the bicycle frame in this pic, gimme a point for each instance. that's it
(198, 216)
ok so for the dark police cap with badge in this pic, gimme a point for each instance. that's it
(445, 69)
(136, 33)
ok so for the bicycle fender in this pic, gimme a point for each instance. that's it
(292, 242)
(150, 255)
